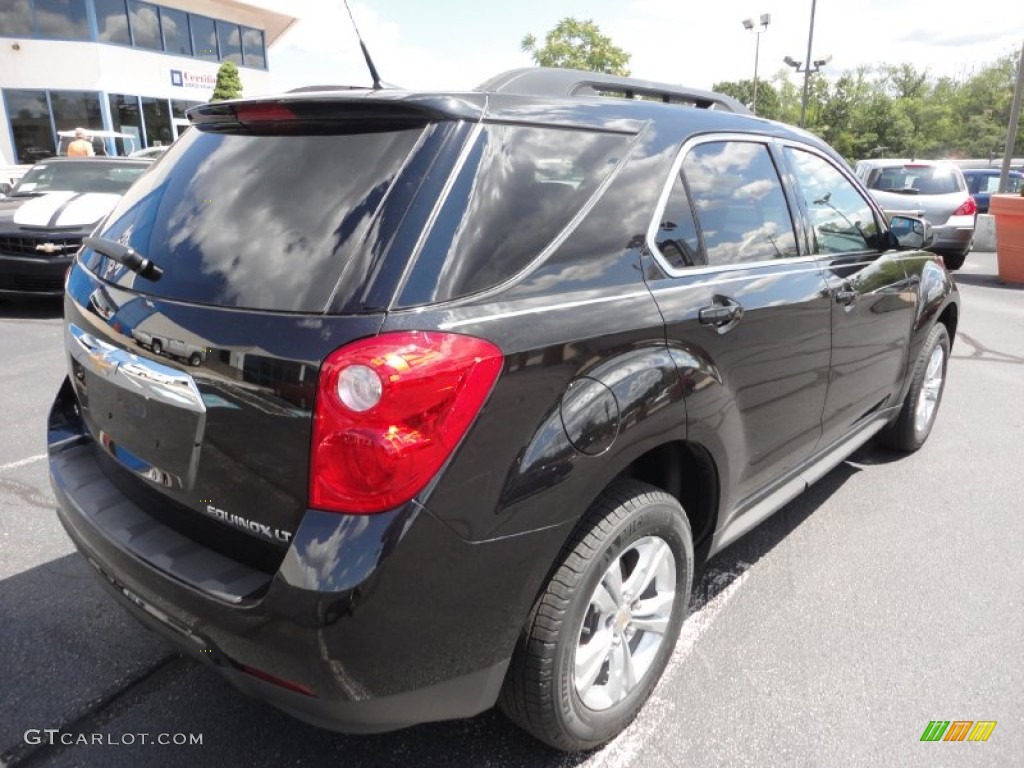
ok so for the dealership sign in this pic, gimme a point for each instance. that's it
(185, 79)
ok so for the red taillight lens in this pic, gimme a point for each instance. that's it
(389, 412)
(251, 114)
(969, 208)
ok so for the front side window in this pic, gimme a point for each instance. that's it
(841, 217)
(740, 204)
(62, 19)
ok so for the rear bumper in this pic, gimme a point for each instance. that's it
(954, 237)
(371, 623)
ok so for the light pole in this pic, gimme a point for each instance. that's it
(811, 66)
(748, 24)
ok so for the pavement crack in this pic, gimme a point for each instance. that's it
(24, 754)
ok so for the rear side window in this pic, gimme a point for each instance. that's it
(518, 189)
(740, 204)
(677, 239)
(922, 179)
(256, 221)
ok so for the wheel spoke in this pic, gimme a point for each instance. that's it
(651, 558)
(603, 601)
(652, 615)
(612, 582)
(622, 670)
(590, 659)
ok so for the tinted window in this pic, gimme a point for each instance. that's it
(175, 28)
(266, 222)
(677, 237)
(76, 109)
(62, 19)
(30, 124)
(204, 37)
(112, 21)
(15, 18)
(922, 179)
(91, 176)
(157, 121)
(252, 46)
(230, 40)
(126, 118)
(518, 190)
(740, 204)
(842, 219)
(145, 25)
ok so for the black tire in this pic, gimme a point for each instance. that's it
(907, 433)
(540, 692)
(158, 347)
(195, 359)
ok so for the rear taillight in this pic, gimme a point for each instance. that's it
(389, 412)
(969, 208)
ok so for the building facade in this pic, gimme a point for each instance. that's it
(121, 65)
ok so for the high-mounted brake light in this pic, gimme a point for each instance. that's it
(389, 412)
(248, 114)
(969, 208)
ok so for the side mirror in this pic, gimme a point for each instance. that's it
(911, 233)
(4, 189)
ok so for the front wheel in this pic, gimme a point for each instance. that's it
(601, 633)
(914, 423)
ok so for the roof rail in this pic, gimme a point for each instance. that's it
(549, 81)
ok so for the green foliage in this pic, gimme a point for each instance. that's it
(575, 44)
(229, 84)
(896, 110)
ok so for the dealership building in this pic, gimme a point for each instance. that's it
(121, 65)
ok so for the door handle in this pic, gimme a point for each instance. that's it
(722, 315)
(845, 296)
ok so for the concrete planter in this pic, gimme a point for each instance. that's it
(1009, 213)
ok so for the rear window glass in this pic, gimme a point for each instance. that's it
(925, 180)
(519, 188)
(259, 222)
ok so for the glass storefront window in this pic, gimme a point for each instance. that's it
(112, 22)
(230, 40)
(176, 36)
(157, 119)
(15, 18)
(62, 19)
(204, 37)
(178, 108)
(252, 48)
(76, 109)
(29, 115)
(126, 118)
(145, 25)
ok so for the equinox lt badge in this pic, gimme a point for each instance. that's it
(274, 534)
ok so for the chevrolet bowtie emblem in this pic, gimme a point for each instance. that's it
(51, 248)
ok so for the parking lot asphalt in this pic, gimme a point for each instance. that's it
(889, 595)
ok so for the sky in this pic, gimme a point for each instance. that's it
(445, 44)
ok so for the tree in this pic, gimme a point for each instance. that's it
(767, 106)
(575, 44)
(229, 84)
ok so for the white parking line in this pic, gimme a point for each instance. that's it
(626, 748)
(22, 462)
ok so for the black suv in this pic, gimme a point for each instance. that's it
(467, 385)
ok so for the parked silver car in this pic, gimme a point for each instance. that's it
(929, 189)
